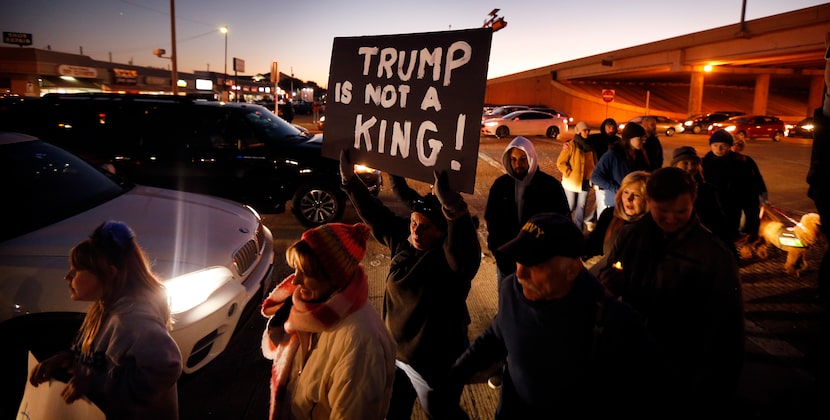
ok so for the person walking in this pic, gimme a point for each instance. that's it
(739, 185)
(123, 359)
(629, 207)
(524, 190)
(625, 156)
(576, 163)
(435, 254)
(570, 346)
(707, 204)
(332, 355)
(601, 143)
(288, 111)
(652, 145)
(685, 282)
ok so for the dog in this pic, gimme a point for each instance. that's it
(794, 240)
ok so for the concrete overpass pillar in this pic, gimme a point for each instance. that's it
(696, 93)
(816, 95)
(759, 104)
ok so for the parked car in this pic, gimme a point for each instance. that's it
(502, 110)
(239, 151)
(700, 123)
(214, 255)
(752, 126)
(803, 128)
(665, 124)
(525, 123)
(554, 112)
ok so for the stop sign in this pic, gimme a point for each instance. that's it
(608, 95)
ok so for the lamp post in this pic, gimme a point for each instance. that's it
(224, 30)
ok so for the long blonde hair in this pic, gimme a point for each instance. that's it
(112, 244)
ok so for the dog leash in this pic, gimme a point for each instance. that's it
(782, 214)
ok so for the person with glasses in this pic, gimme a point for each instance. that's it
(435, 254)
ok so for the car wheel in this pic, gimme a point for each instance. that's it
(502, 132)
(553, 132)
(778, 136)
(670, 132)
(314, 205)
(697, 129)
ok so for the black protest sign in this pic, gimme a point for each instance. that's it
(409, 104)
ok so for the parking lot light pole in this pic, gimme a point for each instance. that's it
(224, 30)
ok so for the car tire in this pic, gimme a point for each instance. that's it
(778, 136)
(502, 132)
(314, 205)
(670, 132)
(552, 132)
(697, 129)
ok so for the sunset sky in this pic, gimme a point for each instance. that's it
(299, 34)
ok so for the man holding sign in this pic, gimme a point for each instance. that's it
(435, 254)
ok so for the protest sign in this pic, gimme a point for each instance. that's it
(409, 104)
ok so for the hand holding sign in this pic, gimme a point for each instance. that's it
(450, 200)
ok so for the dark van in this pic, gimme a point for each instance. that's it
(239, 151)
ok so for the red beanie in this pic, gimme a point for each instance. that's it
(339, 247)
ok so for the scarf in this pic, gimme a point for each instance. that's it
(280, 339)
(582, 144)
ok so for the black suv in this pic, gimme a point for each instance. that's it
(234, 150)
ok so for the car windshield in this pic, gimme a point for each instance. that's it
(48, 185)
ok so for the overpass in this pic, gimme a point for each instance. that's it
(773, 65)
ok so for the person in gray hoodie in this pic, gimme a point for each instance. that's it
(523, 191)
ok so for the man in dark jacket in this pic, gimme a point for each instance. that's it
(652, 145)
(601, 143)
(435, 255)
(516, 196)
(572, 350)
(684, 281)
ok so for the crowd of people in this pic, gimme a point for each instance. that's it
(600, 307)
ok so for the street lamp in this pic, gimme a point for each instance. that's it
(224, 30)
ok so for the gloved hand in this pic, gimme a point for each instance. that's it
(450, 200)
(346, 167)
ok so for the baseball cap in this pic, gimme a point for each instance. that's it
(545, 236)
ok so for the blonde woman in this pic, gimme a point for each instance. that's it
(630, 206)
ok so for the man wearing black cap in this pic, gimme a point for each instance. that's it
(435, 255)
(570, 347)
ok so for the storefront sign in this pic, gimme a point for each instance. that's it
(77, 71)
(17, 38)
(125, 76)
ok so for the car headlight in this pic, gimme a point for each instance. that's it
(189, 290)
(687, 123)
(490, 123)
(730, 128)
(363, 169)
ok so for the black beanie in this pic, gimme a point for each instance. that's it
(632, 130)
(721, 136)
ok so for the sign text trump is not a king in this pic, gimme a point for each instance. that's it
(409, 104)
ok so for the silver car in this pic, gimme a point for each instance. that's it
(214, 254)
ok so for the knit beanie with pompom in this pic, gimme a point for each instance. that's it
(340, 248)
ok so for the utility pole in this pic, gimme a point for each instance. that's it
(173, 56)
